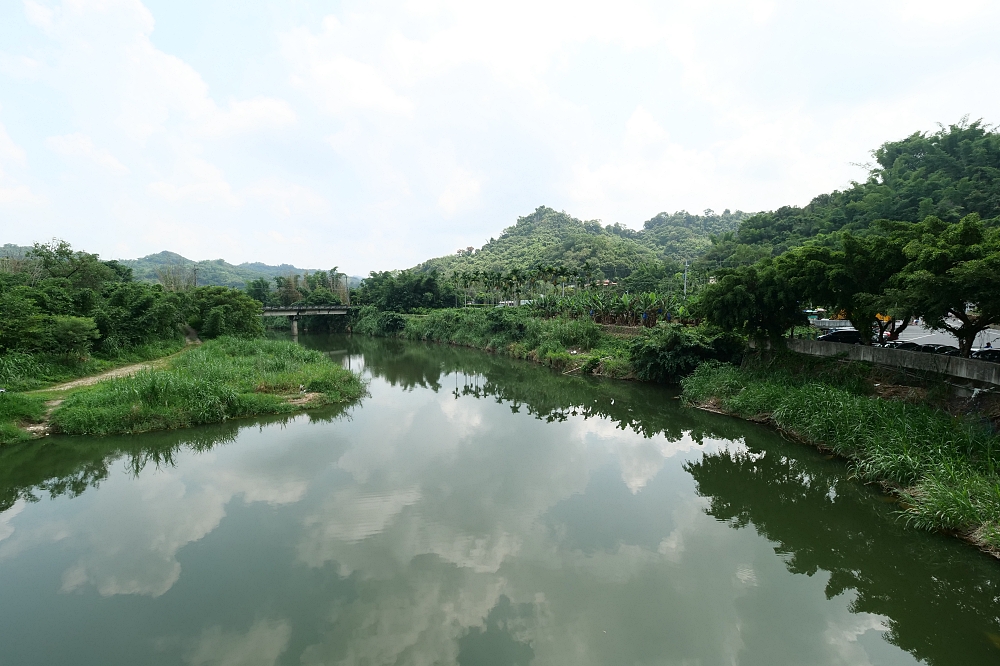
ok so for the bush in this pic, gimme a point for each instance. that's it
(371, 321)
(666, 354)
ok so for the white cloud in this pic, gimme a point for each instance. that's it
(247, 116)
(13, 192)
(261, 645)
(8, 149)
(286, 199)
(80, 145)
(338, 82)
(198, 182)
(38, 15)
(461, 192)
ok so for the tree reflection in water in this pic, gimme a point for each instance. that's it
(62, 465)
(821, 520)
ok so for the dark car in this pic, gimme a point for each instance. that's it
(904, 345)
(947, 350)
(992, 355)
(847, 336)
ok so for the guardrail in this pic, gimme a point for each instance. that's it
(292, 311)
(953, 366)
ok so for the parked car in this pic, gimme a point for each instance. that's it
(947, 350)
(903, 345)
(992, 355)
(845, 335)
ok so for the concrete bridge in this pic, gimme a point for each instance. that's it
(293, 312)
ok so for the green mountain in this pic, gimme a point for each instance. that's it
(548, 237)
(209, 272)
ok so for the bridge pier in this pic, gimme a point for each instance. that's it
(295, 325)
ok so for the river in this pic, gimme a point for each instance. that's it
(479, 511)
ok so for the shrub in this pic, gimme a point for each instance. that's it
(668, 353)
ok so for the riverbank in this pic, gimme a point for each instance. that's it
(219, 380)
(661, 354)
(942, 468)
(25, 408)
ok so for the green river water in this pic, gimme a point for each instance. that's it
(478, 511)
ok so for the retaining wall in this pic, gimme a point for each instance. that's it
(954, 366)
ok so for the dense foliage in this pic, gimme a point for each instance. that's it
(550, 238)
(406, 291)
(919, 238)
(947, 273)
(58, 301)
(66, 313)
(948, 175)
(216, 311)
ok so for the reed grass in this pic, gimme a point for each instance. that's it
(222, 379)
(943, 467)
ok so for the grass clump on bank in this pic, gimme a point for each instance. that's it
(17, 409)
(944, 468)
(222, 379)
(662, 353)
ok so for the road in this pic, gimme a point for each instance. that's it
(925, 336)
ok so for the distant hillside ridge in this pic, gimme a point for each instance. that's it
(210, 272)
(550, 237)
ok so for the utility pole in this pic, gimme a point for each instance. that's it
(685, 279)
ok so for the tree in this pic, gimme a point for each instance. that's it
(852, 279)
(131, 314)
(215, 311)
(288, 289)
(260, 290)
(758, 301)
(952, 279)
(81, 269)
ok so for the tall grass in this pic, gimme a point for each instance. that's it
(945, 467)
(15, 409)
(222, 379)
(20, 371)
(517, 332)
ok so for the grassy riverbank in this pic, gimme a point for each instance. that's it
(17, 409)
(21, 371)
(219, 380)
(663, 353)
(944, 469)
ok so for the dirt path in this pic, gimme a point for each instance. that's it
(123, 371)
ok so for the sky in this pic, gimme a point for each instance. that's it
(375, 135)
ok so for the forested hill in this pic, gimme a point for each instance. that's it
(210, 272)
(948, 174)
(549, 237)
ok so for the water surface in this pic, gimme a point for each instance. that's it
(478, 511)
